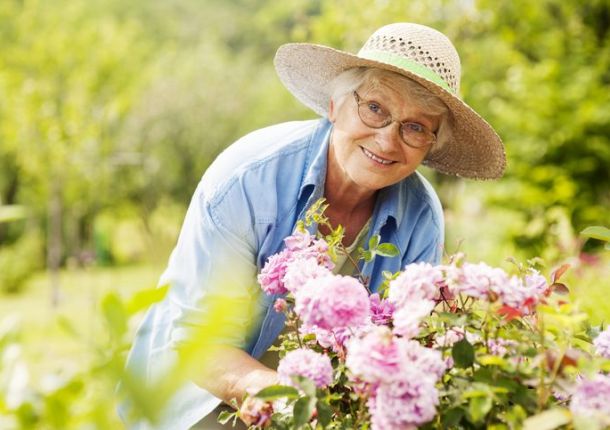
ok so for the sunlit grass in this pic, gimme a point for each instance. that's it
(589, 284)
(47, 347)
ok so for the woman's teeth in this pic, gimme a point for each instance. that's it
(376, 158)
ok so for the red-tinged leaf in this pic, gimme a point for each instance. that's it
(446, 294)
(558, 273)
(509, 312)
(529, 303)
(492, 296)
(560, 288)
(570, 358)
(550, 359)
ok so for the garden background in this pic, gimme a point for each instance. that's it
(111, 111)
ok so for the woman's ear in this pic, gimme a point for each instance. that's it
(331, 111)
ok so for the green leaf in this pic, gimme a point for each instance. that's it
(28, 415)
(463, 354)
(492, 360)
(309, 337)
(478, 407)
(484, 374)
(305, 384)
(387, 250)
(303, 409)
(524, 396)
(143, 299)
(338, 232)
(505, 385)
(480, 392)
(115, 314)
(274, 392)
(325, 413)
(66, 325)
(374, 241)
(548, 420)
(387, 275)
(452, 417)
(516, 415)
(452, 318)
(597, 232)
(225, 416)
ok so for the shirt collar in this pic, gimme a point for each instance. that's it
(317, 160)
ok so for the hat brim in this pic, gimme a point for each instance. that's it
(476, 151)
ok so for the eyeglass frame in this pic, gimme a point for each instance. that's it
(389, 120)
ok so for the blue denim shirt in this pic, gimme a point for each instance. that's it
(247, 202)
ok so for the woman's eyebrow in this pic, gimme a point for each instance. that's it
(373, 95)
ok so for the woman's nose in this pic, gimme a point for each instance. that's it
(388, 137)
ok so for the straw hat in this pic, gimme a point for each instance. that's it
(423, 55)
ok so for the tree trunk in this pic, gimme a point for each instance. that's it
(10, 197)
(54, 241)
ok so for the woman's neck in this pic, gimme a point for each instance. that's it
(349, 204)
(348, 198)
(342, 192)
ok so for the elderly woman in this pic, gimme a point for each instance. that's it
(386, 110)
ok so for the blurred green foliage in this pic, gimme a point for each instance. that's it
(81, 397)
(550, 102)
(19, 260)
(115, 108)
(111, 111)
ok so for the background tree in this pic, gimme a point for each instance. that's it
(70, 75)
(110, 112)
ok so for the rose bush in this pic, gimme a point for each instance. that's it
(457, 345)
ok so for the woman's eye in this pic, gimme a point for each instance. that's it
(375, 108)
(414, 127)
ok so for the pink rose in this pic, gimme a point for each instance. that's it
(332, 302)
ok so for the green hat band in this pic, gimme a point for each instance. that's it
(406, 64)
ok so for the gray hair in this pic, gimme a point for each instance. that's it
(350, 80)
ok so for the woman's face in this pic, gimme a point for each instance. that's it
(376, 158)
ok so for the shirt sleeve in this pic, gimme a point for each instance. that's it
(212, 271)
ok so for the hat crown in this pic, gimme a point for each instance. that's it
(420, 44)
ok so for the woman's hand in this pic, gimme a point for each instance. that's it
(233, 373)
(256, 412)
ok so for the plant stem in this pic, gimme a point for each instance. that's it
(541, 391)
(355, 264)
(296, 325)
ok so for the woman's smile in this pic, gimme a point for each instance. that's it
(377, 159)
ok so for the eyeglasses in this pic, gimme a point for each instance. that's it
(373, 115)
